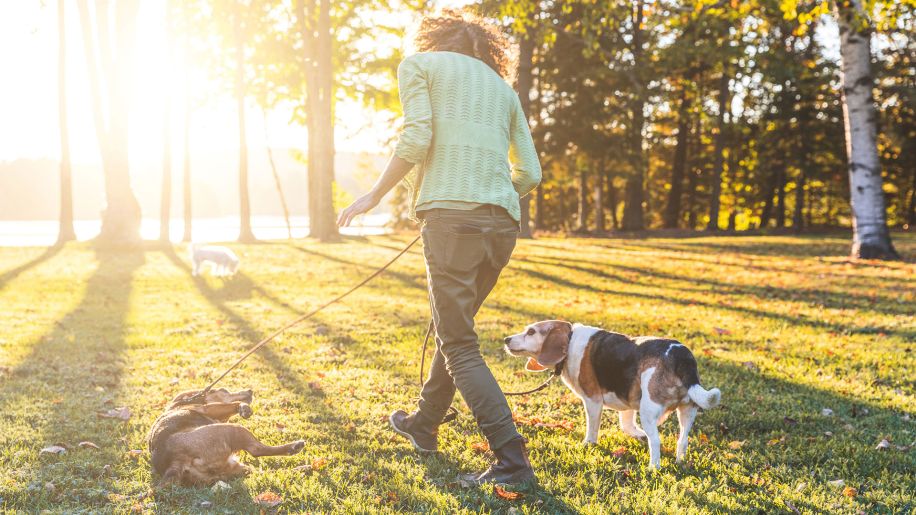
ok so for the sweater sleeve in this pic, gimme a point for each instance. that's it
(526, 168)
(417, 134)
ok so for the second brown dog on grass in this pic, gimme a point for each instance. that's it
(192, 444)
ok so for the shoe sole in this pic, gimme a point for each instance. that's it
(409, 437)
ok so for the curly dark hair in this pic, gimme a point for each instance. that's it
(466, 33)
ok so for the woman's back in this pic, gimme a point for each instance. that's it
(461, 122)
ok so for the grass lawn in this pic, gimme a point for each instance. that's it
(786, 326)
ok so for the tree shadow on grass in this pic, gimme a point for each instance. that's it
(12, 273)
(825, 298)
(760, 313)
(69, 375)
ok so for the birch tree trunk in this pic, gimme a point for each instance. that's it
(870, 236)
(66, 232)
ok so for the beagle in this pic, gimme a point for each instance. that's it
(654, 376)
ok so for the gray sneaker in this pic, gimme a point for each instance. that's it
(424, 440)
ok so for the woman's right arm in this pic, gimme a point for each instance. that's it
(413, 143)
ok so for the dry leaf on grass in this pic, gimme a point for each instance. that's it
(316, 465)
(122, 413)
(506, 494)
(53, 449)
(750, 365)
(268, 499)
(777, 441)
(836, 483)
(736, 444)
(619, 452)
(88, 445)
(720, 331)
(827, 412)
(480, 447)
(135, 453)
(850, 491)
(884, 444)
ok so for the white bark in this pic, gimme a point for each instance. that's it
(871, 238)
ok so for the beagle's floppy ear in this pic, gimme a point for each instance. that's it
(555, 344)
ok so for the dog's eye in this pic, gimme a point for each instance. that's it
(530, 331)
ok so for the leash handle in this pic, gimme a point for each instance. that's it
(303, 318)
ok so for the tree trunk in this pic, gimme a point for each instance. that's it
(321, 100)
(781, 196)
(539, 209)
(598, 188)
(612, 201)
(525, 81)
(911, 213)
(870, 236)
(582, 204)
(673, 208)
(165, 201)
(186, 165)
(121, 215)
(273, 171)
(633, 217)
(245, 233)
(718, 163)
(65, 232)
(767, 213)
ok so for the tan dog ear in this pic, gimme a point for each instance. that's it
(555, 344)
(533, 366)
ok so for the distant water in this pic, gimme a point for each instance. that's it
(44, 232)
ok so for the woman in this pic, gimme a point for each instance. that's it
(462, 121)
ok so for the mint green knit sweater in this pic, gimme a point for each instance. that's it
(462, 124)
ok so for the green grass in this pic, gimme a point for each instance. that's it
(800, 329)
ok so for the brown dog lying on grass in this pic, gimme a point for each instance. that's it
(191, 443)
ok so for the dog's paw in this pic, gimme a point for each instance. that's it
(588, 443)
(245, 410)
(296, 447)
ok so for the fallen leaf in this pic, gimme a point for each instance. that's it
(750, 365)
(268, 499)
(206, 504)
(53, 449)
(721, 331)
(319, 463)
(801, 486)
(827, 412)
(836, 482)
(704, 439)
(315, 385)
(884, 444)
(736, 444)
(506, 494)
(850, 491)
(392, 498)
(135, 453)
(88, 445)
(619, 452)
(777, 441)
(122, 413)
(480, 447)
(790, 421)
(173, 382)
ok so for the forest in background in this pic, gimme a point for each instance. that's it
(703, 114)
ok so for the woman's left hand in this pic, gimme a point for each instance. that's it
(361, 205)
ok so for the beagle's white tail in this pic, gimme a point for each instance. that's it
(706, 399)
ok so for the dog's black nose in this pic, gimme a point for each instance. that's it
(507, 339)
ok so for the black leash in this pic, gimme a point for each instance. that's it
(557, 370)
(203, 393)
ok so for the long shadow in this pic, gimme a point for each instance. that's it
(835, 327)
(823, 298)
(410, 280)
(12, 273)
(73, 372)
